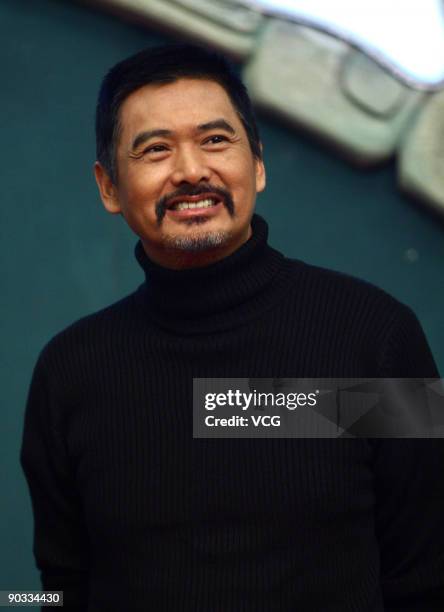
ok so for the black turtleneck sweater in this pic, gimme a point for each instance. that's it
(132, 513)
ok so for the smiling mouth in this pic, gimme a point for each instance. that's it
(185, 205)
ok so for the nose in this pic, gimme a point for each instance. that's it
(190, 167)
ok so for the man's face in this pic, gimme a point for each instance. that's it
(187, 179)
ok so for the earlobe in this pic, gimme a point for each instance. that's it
(261, 178)
(107, 189)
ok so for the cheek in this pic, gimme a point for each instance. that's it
(238, 173)
(144, 187)
(245, 181)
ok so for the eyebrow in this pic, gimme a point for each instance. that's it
(220, 124)
(217, 124)
(147, 135)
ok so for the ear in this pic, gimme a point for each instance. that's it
(261, 178)
(107, 189)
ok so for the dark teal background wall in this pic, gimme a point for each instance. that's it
(64, 257)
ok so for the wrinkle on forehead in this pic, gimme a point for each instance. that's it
(186, 103)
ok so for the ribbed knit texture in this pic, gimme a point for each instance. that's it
(132, 513)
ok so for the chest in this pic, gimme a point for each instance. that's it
(137, 464)
(139, 469)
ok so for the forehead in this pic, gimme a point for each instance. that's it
(179, 105)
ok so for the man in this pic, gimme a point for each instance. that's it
(131, 512)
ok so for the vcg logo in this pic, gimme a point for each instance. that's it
(266, 420)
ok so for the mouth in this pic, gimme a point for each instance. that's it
(187, 206)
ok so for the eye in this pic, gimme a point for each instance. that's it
(216, 139)
(155, 149)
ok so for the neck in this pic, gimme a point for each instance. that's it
(221, 295)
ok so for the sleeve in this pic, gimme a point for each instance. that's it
(405, 352)
(409, 489)
(409, 476)
(60, 535)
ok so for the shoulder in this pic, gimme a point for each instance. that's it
(337, 289)
(360, 313)
(90, 333)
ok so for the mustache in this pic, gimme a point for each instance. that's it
(224, 194)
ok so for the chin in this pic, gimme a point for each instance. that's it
(198, 241)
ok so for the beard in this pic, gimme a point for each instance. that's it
(224, 194)
(200, 240)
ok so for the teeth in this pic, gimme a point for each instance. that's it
(200, 204)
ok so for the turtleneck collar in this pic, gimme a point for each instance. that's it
(219, 296)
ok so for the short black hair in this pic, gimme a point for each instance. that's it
(165, 64)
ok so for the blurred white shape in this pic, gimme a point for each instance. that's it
(421, 158)
(407, 36)
(227, 25)
(229, 13)
(318, 82)
(411, 255)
